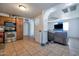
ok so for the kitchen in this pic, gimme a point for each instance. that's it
(11, 29)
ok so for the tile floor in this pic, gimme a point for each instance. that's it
(28, 47)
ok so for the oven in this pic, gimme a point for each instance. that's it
(10, 32)
(10, 36)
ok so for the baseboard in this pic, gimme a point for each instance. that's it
(74, 37)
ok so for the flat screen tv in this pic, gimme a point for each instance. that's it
(58, 26)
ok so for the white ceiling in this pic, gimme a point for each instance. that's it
(34, 8)
(59, 14)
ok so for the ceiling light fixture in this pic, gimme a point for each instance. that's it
(22, 7)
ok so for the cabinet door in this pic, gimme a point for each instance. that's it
(1, 21)
(13, 20)
(19, 28)
(6, 19)
(1, 37)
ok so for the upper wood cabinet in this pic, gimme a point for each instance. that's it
(13, 20)
(10, 20)
(6, 19)
(1, 21)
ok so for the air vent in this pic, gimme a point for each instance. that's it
(73, 8)
(53, 18)
(65, 10)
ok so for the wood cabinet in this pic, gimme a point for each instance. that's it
(13, 20)
(19, 28)
(1, 31)
(19, 25)
(1, 37)
(7, 19)
(1, 21)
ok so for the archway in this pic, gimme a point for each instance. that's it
(45, 18)
(45, 25)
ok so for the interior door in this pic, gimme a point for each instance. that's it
(26, 29)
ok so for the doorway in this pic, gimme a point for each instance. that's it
(29, 29)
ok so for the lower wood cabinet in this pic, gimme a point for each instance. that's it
(1, 37)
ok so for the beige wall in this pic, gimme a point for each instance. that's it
(38, 27)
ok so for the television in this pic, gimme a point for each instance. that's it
(58, 26)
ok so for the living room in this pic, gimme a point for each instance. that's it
(29, 35)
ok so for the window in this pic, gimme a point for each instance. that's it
(66, 26)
